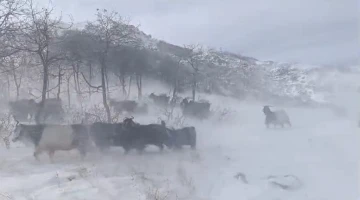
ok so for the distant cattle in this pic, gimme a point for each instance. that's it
(51, 138)
(23, 109)
(278, 117)
(27, 109)
(160, 100)
(199, 110)
(52, 109)
(175, 100)
(129, 106)
(183, 136)
(338, 110)
(136, 136)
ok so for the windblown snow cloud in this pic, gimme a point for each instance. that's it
(307, 31)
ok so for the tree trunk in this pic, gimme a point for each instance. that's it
(90, 78)
(75, 79)
(129, 88)
(59, 83)
(68, 91)
(194, 87)
(139, 85)
(175, 90)
(43, 93)
(123, 84)
(17, 92)
(48, 91)
(17, 84)
(175, 85)
(104, 91)
(8, 86)
(107, 83)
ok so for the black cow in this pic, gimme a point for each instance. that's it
(136, 136)
(200, 110)
(23, 108)
(103, 134)
(52, 108)
(183, 136)
(278, 117)
(160, 100)
(53, 138)
(129, 106)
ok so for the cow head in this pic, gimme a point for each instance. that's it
(266, 110)
(184, 103)
(129, 122)
(152, 95)
(163, 123)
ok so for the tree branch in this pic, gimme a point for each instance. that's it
(87, 82)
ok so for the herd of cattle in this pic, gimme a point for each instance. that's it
(127, 134)
(25, 110)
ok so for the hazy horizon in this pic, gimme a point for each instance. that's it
(319, 32)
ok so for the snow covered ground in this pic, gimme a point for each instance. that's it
(316, 159)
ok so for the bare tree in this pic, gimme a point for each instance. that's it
(39, 35)
(10, 12)
(194, 59)
(109, 30)
(14, 66)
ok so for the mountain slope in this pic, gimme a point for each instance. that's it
(239, 76)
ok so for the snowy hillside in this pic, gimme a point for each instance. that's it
(239, 76)
(235, 159)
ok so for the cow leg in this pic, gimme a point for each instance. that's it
(140, 149)
(126, 148)
(192, 141)
(37, 152)
(289, 123)
(161, 147)
(126, 151)
(193, 145)
(51, 155)
(82, 151)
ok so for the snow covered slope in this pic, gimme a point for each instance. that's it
(239, 76)
(237, 158)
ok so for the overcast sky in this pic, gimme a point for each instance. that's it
(324, 32)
